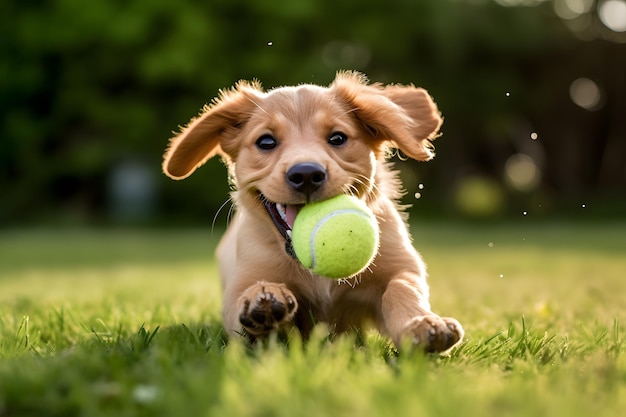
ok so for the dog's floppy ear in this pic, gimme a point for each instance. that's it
(202, 138)
(403, 115)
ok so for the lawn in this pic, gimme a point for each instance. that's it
(127, 323)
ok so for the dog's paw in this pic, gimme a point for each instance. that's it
(265, 307)
(434, 333)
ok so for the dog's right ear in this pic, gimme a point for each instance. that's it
(202, 137)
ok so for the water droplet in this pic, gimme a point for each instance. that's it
(418, 195)
(534, 136)
(420, 186)
(490, 244)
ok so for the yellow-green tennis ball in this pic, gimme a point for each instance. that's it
(335, 238)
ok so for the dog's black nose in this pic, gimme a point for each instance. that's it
(306, 177)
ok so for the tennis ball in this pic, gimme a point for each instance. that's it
(335, 238)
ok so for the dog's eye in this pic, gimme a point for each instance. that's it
(266, 142)
(337, 139)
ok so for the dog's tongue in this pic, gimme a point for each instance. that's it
(290, 213)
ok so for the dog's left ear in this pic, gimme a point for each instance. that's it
(404, 115)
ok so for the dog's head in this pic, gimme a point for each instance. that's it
(294, 145)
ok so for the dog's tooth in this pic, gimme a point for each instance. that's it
(282, 211)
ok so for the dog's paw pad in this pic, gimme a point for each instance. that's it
(266, 307)
(434, 334)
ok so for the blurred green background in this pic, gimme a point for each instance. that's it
(533, 94)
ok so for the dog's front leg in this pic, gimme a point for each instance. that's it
(262, 308)
(407, 317)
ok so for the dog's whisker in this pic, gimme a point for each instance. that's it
(362, 180)
(360, 184)
(231, 212)
(217, 213)
(351, 190)
(369, 183)
(350, 110)
(258, 106)
(348, 189)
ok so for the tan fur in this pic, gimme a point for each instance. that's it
(265, 289)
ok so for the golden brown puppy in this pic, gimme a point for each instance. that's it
(293, 145)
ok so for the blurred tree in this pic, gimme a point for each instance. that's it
(85, 87)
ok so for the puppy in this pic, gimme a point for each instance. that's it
(293, 145)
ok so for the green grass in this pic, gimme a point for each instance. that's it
(127, 323)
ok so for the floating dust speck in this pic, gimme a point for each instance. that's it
(507, 94)
(534, 136)
(501, 275)
(525, 213)
(420, 186)
(490, 244)
(584, 206)
(418, 196)
(270, 43)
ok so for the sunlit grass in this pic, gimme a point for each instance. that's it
(99, 322)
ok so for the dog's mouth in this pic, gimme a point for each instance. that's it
(283, 216)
